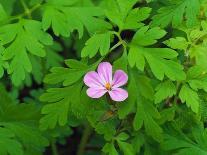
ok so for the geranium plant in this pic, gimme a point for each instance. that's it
(111, 77)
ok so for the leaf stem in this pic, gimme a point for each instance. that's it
(19, 16)
(86, 134)
(120, 39)
(27, 10)
(53, 147)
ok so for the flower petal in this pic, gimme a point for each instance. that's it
(118, 94)
(105, 72)
(120, 78)
(95, 92)
(92, 79)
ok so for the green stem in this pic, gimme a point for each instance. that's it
(19, 16)
(115, 46)
(54, 148)
(27, 10)
(86, 134)
(120, 39)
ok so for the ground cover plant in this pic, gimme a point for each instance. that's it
(103, 77)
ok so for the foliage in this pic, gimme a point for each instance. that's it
(46, 48)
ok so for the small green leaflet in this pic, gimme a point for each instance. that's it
(181, 144)
(125, 147)
(146, 36)
(164, 90)
(23, 37)
(145, 89)
(20, 132)
(8, 144)
(196, 80)
(159, 59)
(98, 42)
(120, 12)
(3, 14)
(177, 43)
(53, 59)
(3, 64)
(190, 97)
(64, 17)
(199, 53)
(67, 75)
(175, 13)
(140, 94)
(61, 102)
(110, 149)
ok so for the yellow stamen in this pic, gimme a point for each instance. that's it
(108, 86)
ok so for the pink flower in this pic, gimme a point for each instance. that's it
(102, 82)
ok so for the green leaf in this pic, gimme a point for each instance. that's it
(118, 10)
(8, 6)
(21, 123)
(197, 78)
(64, 17)
(134, 18)
(53, 58)
(159, 60)
(199, 54)
(164, 90)
(175, 12)
(110, 149)
(3, 14)
(177, 43)
(146, 114)
(121, 63)
(98, 42)
(8, 144)
(142, 85)
(126, 148)
(3, 64)
(145, 36)
(67, 75)
(190, 97)
(60, 105)
(23, 37)
(181, 144)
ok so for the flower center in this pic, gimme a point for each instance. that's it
(108, 86)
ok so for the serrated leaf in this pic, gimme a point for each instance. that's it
(3, 14)
(160, 62)
(164, 90)
(8, 144)
(126, 148)
(174, 12)
(110, 149)
(190, 97)
(23, 37)
(118, 10)
(142, 85)
(21, 122)
(53, 58)
(177, 43)
(61, 102)
(181, 144)
(67, 76)
(145, 36)
(64, 17)
(98, 42)
(134, 18)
